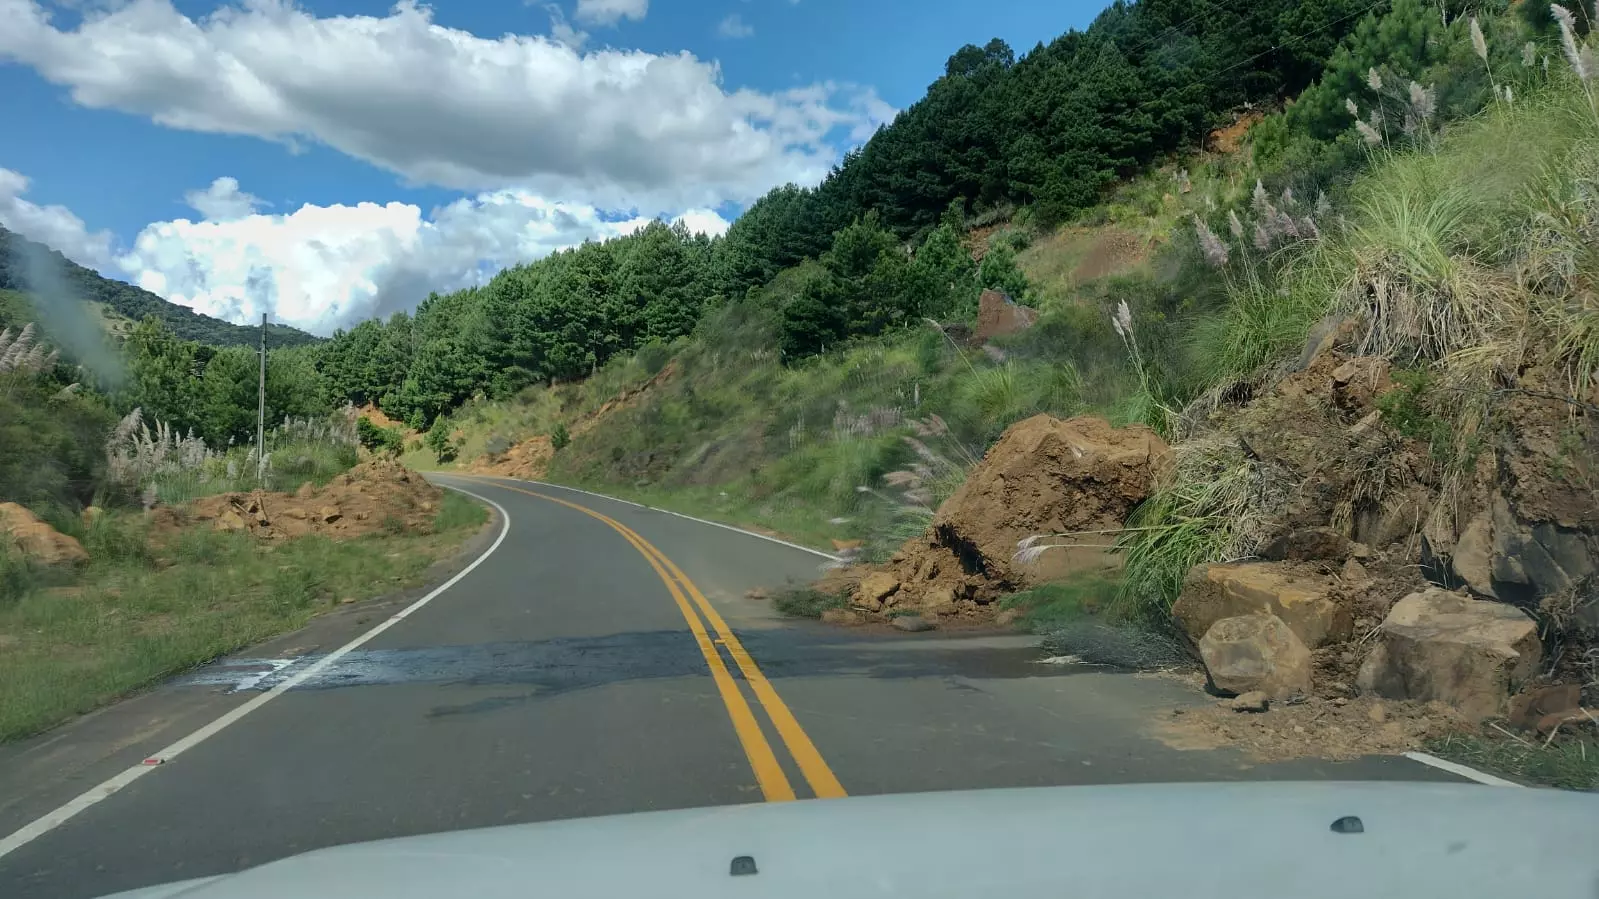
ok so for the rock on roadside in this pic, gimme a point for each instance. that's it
(1253, 701)
(1250, 653)
(1438, 645)
(1043, 476)
(913, 623)
(38, 541)
(1214, 592)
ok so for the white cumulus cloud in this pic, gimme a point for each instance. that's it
(54, 226)
(612, 128)
(562, 31)
(323, 267)
(222, 200)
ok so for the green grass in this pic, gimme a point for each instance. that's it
(806, 603)
(1568, 763)
(1195, 517)
(1048, 606)
(1259, 327)
(69, 644)
(457, 512)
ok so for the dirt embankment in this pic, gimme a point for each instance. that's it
(1113, 250)
(380, 496)
(1230, 138)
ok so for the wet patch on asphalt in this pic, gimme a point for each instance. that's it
(561, 665)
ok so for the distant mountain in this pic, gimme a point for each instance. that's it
(122, 302)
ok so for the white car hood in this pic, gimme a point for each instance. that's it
(1195, 841)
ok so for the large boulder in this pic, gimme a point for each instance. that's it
(1256, 653)
(1049, 476)
(1302, 601)
(37, 541)
(1439, 645)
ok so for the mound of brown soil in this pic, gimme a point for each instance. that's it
(529, 460)
(1072, 481)
(378, 496)
(25, 533)
(998, 316)
(1230, 138)
(372, 413)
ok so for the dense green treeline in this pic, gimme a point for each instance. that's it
(1046, 132)
(1052, 129)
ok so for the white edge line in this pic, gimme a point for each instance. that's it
(1461, 770)
(714, 524)
(72, 808)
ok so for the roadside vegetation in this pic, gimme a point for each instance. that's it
(1571, 764)
(140, 611)
(1143, 318)
(109, 431)
(805, 602)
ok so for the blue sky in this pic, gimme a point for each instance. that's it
(326, 161)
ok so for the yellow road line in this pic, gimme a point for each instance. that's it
(768, 773)
(824, 784)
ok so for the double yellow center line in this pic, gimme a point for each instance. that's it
(774, 783)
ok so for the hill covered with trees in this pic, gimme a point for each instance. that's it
(1037, 138)
(18, 254)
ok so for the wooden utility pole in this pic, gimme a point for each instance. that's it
(260, 410)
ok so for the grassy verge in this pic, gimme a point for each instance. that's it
(1049, 606)
(136, 615)
(1568, 763)
(805, 602)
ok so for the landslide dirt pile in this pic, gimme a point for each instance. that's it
(380, 496)
(1045, 476)
(36, 540)
(1392, 553)
(372, 413)
(999, 316)
(529, 460)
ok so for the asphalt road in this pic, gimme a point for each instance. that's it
(602, 659)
